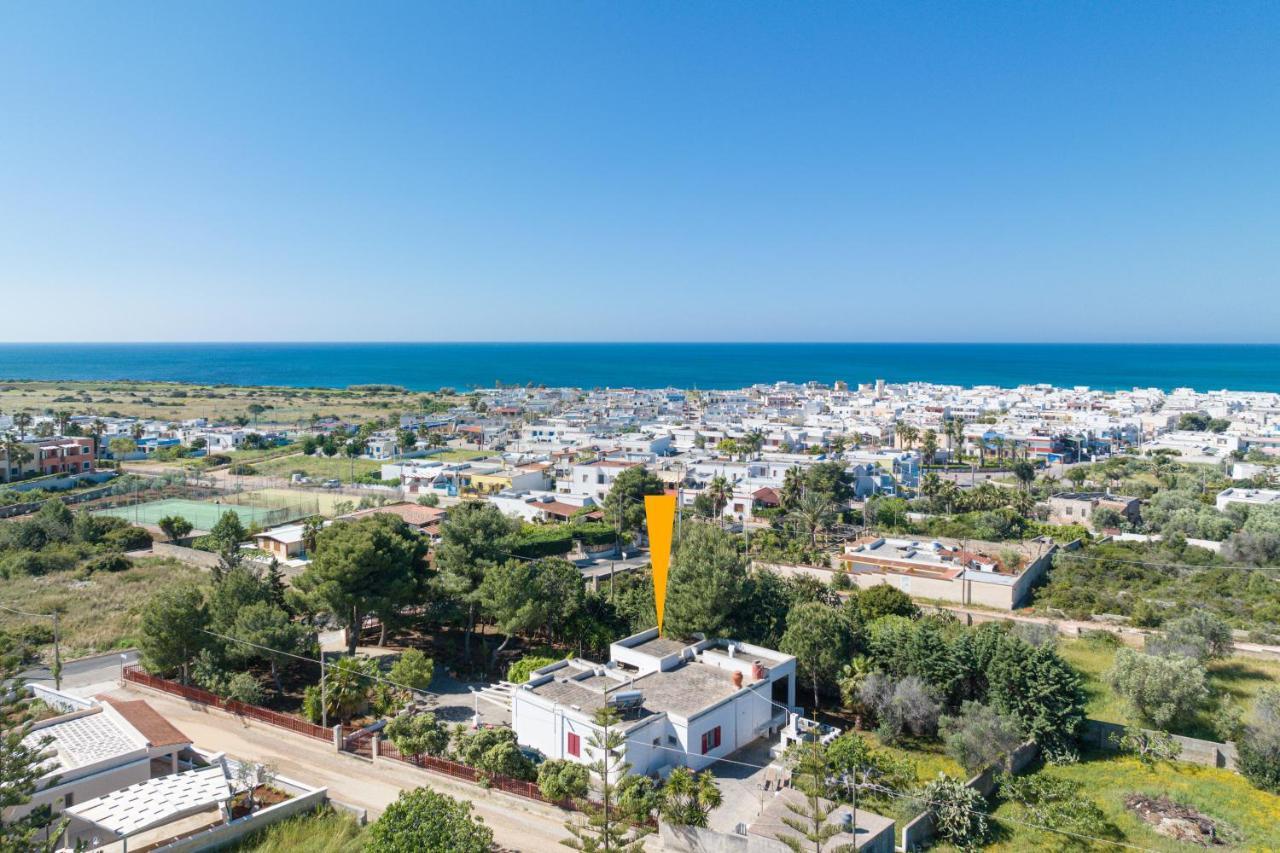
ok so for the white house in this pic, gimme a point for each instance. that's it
(99, 749)
(593, 479)
(1250, 497)
(682, 704)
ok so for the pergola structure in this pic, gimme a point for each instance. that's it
(156, 802)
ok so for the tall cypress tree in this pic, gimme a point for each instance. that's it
(607, 827)
(20, 767)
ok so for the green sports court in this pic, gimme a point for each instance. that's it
(202, 514)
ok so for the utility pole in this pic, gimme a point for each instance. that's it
(324, 694)
(57, 654)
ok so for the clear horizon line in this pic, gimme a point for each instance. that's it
(641, 342)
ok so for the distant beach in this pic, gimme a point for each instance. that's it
(427, 366)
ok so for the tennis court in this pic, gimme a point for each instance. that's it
(202, 514)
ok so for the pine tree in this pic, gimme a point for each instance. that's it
(606, 827)
(811, 815)
(20, 768)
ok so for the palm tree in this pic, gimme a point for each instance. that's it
(956, 426)
(838, 445)
(792, 487)
(752, 442)
(22, 420)
(136, 430)
(813, 513)
(97, 429)
(63, 418)
(999, 443)
(16, 455)
(850, 680)
(1025, 473)
(931, 484)
(929, 446)
(720, 492)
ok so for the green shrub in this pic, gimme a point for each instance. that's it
(244, 687)
(518, 672)
(1160, 690)
(127, 539)
(112, 561)
(638, 797)
(959, 812)
(560, 780)
(495, 751)
(1259, 747)
(413, 669)
(418, 734)
(424, 821)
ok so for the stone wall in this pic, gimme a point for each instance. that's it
(1207, 753)
(190, 556)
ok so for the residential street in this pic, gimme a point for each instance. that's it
(517, 824)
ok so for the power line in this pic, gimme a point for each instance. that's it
(915, 798)
(1061, 556)
(321, 662)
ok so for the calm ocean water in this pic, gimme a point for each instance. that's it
(423, 366)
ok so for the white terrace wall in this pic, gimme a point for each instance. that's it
(226, 833)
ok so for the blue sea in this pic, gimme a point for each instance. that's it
(428, 366)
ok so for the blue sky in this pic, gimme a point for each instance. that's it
(640, 171)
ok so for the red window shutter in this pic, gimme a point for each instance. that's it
(575, 745)
(704, 743)
(715, 733)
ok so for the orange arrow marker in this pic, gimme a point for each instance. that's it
(660, 512)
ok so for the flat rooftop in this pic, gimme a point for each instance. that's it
(681, 692)
(660, 647)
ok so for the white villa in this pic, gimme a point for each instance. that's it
(682, 704)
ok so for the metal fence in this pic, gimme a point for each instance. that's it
(135, 675)
(519, 787)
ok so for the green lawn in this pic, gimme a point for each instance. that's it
(454, 454)
(317, 467)
(1108, 779)
(928, 755)
(1240, 677)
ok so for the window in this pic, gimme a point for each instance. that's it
(710, 740)
(575, 745)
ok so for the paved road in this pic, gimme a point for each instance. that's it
(517, 824)
(94, 670)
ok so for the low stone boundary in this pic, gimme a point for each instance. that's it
(190, 556)
(919, 831)
(1206, 753)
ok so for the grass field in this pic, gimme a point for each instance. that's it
(456, 454)
(318, 467)
(323, 831)
(1224, 796)
(202, 514)
(99, 612)
(1239, 677)
(299, 502)
(178, 401)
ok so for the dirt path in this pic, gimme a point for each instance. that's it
(516, 824)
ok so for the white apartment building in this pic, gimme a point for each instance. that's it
(593, 479)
